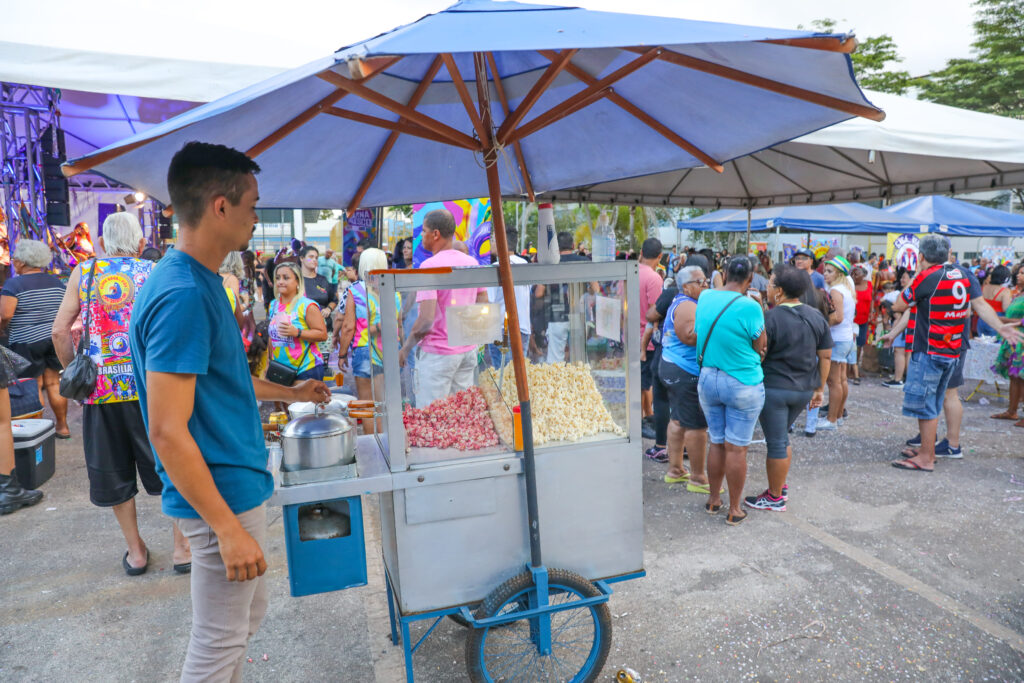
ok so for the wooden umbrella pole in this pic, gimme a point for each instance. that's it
(500, 242)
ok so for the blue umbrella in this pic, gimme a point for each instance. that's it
(542, 97)
(851, 217)
(956, 217)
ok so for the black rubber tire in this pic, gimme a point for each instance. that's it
(560, 581)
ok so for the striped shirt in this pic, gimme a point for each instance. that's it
(39, 296)
(942, 295)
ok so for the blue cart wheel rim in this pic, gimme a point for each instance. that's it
(564, 623)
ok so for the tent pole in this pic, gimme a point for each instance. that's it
(748, 229)
(491, 158)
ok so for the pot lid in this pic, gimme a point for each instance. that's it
(316, 426)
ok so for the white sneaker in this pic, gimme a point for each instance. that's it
(826, 426)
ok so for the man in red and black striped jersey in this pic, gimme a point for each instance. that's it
(943, 295)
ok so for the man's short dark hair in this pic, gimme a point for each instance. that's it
(511, 237)
(701, 262)
(304, 252)
(791, 280)
(565, 241)
(201, 171)
(999, 275)
(442, 221)
(934, 248)
(651, 248)
(738, 269)
(365, 243)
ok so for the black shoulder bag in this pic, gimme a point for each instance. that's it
(283, 373)
(704, 347)
(78, 380)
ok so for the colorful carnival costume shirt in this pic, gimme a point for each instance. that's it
(290, 350)
(942, 295)
(116, 283)
(367, 314)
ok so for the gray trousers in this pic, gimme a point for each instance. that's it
(225, 614)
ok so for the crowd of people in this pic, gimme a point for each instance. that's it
(777, 351)
(727, 343)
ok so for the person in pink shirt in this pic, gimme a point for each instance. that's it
(440, 369)
(650, 288)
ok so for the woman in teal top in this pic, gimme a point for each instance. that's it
(730, 335)
(296, 325)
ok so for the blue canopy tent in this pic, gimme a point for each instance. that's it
(509, 99)
(956, 217)
(852, 217)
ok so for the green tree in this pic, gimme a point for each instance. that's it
(874, 61)
(993, 79)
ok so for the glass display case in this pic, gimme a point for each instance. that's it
(441, 358)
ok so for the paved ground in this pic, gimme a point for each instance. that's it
(872, 574)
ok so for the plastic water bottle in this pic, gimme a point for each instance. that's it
(603, 240)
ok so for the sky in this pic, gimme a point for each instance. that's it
(286, 34)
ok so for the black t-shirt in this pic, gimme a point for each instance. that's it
(795, 335)
(319, 290)
(661, 305)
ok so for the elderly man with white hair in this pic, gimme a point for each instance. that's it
(102, 293)
(28, 305)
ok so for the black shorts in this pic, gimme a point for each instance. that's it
(116, 446)
(862, 334)
(646, 378)
(683, 400)
(40, 354)
(957, 379)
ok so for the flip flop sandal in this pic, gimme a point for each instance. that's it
(712, 509)
(694, 487)
(677, 480)
(1004, 416)
(134, 571)
(1019, 423)
(63, 436)
(909, 465)
(735, 520)
(183, 568)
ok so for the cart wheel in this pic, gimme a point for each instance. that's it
(580, 638)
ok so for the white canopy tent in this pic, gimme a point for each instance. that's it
(920, 148)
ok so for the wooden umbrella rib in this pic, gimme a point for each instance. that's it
(399, 126)
(516, 146)
(310, 113)
(538, 89)
(584, 97)
(823, 43)
(89, 163)
(385, 149)
(460, 87)
(747, 78)
(643, 116)
(456, 137)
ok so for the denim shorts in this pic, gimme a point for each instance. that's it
(730, 406)
(900, 342)
(361, 362)
(925, 388)
(845, 352)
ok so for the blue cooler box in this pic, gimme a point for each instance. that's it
(33, 451)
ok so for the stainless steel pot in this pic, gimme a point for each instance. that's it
(318, 440)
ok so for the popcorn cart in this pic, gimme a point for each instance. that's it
(456, 525)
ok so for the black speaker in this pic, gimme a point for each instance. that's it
(55, 185)
(164, 227)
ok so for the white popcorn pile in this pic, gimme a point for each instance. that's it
(565, 402)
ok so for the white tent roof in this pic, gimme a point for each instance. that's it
(920, 148)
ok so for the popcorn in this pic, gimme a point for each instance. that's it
(566, 404)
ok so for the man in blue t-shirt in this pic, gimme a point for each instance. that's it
(199, 404)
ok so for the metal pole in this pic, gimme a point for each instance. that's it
(748, 228)
(491, 158)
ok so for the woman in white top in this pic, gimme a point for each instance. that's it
(844, 343)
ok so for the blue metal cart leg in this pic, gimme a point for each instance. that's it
(391, 608)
